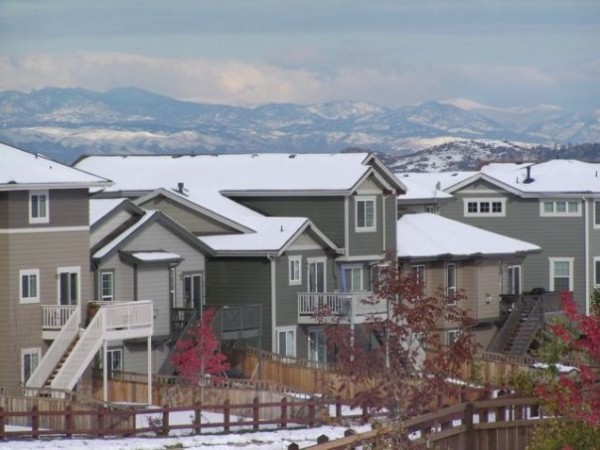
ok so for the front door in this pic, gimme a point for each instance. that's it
(68, 286)
(317, 350)
(316, 276)
(192, 291)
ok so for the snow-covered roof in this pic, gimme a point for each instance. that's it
(155, 256)
(24, 170)
(426, 186)
(556, 176)
(99, 207)
(426, 235)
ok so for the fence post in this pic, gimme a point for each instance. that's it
(283, 412)
(2, 436)
(226, 416)
(312, 415)
(165, 420)
(198, 418)
(69, 420)
(255, 411)
(338, 408)
(100, 423)
(35, 422)
(468, 421)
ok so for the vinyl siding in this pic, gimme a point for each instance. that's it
(135, 356)
(327, 213)
(195, 222)
(557, 236)
(68, 207)
(234, 281)
(109, 227)
(370, 242)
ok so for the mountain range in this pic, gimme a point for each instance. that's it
(66, 123)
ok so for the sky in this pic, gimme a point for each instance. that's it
(394, 53)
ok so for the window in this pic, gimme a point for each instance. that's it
(115, 360)
(452, 336)
(295, 270)
(29, 287)
(38, 207)
(560, 208)
(485, 207)
(561, 274)
(286, 342)
(418, 273)
(514, 280)
(192, 290)
(107, 286)
(353, 278)
(365, 214)
(30, 358)
(451, 283)
(432, 209)
(316, 275)
(68, 285)
(316, 346)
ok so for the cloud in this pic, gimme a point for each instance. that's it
(245, 83)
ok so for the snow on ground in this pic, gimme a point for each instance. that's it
(181, 439)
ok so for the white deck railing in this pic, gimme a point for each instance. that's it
(338, 303)
(118, 320)
(54, 317)
(59, 346)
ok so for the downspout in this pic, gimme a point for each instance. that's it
(587, 255)
(346, 227)
(383, 217)
(135, 282)
(273, 261)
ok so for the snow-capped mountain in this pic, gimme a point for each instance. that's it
(65, 123)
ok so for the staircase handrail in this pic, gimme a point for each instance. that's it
(499, 340)
(167, 366)
(56, 350)
(525, 335)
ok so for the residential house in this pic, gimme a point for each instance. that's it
(288, 232)
(45, 281)
(553, 204)
(449, 258)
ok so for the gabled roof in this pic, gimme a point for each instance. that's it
(429, 236)
(20, 170)
(150, 217)
(431, 186)
(102, 209)
(274, 236)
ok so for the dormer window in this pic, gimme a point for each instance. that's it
(38, 207)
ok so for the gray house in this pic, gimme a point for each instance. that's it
(45, 282)
(313, 225)
(553, 204)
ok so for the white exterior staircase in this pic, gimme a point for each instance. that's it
(64, 363)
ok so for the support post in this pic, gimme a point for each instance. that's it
(255, 416)
(105, 370)
(149, 370)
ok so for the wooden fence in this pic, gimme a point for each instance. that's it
(485, 425)
(100, 422)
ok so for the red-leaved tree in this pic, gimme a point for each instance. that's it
(399, 361)
(197, 354)
(575, 395)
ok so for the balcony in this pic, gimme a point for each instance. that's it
(348, 305)
(54, 317)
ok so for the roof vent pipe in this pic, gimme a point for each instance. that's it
(180, 187)
(528, 178)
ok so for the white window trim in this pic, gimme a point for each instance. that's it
(596, 225)
(115, 350)
(46, 218)
(73, 269)
(287, 329)
(453, 302)
(480, 200)
(365, 198)
(596, 282)
(317, 260)
(27, 273)
(112, 282)
(362, 276)
(560, 214)
(512, 266)
(455, 331)
(298, 260)
(571, 270)
(29, 351)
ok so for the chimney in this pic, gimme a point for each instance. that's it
(528, 178)
(180, 187)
